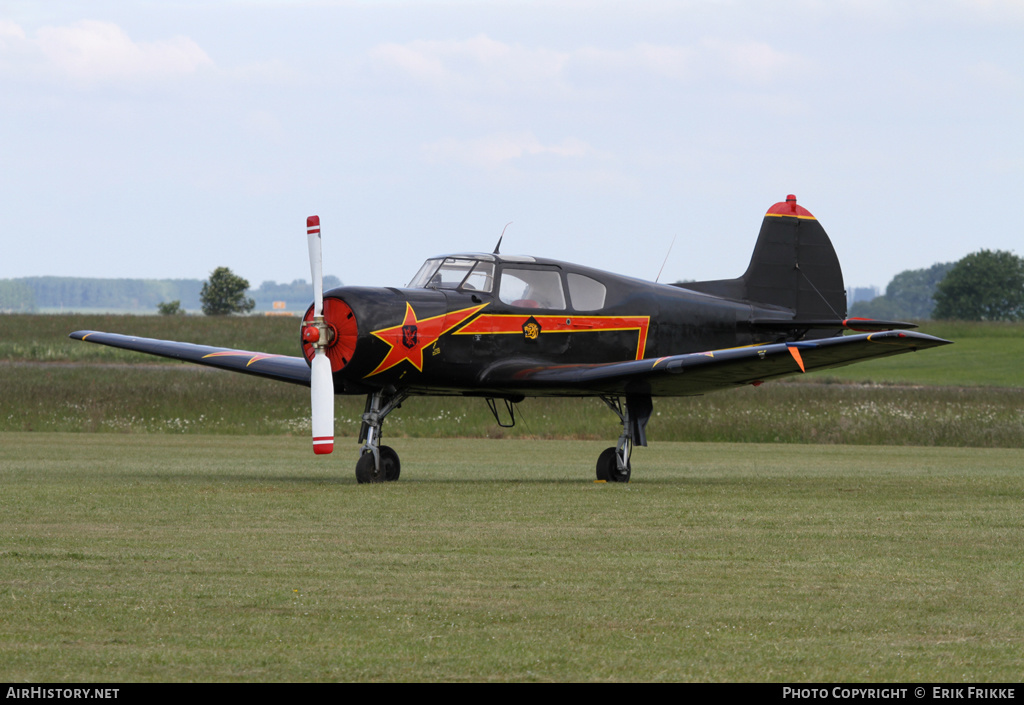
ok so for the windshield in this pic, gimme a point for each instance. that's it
(455, 273)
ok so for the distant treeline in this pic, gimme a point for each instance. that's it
(41, 294)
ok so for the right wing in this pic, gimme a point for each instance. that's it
(280, 367)
(698, 373)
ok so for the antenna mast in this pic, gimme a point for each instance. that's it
(498, 246)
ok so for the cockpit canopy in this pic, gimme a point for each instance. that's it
(461, 273)
(519, 281)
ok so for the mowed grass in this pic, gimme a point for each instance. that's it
(44, 337)
(195, 536)
(193, 400)
(983, 354)
(228, 558)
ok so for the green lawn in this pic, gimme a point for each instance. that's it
(983, 354)
(154, 557)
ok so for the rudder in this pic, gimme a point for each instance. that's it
(793, 266)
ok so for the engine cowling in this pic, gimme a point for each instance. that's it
(342, 333)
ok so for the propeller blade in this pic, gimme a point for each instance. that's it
(322, 398)
(321, 383)
(315, 264)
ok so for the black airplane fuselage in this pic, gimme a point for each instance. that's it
(446, 336)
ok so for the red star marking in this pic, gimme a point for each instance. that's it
(427, 332)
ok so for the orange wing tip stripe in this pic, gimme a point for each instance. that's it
(796, 356)
(886, 338)
(254, 357)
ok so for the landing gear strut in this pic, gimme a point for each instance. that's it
(613, 463)
(378, 463)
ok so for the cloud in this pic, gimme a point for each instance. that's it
(480, 62)
(91, 51)
(496, 150)
(485, 64)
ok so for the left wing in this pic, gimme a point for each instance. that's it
(279, 367)
(697, 373)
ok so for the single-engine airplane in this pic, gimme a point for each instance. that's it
(506, 327)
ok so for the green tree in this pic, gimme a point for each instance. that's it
(909, 295)
(224, 293)
(170, 308)
(983, 286)
(16, 296)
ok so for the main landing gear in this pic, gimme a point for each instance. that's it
(378, 463)
(613, 463)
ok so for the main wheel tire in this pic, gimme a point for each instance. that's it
(605, 465)
(390, 467)
(608, 467)
(390, 463)
(366, 470)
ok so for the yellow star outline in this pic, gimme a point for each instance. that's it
(428, 331)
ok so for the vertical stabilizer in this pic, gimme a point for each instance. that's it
(793, 266)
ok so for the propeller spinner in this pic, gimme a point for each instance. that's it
(316, 333)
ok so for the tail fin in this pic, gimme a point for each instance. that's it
(794, 266)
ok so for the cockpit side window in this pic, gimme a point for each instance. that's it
(587, 294)
(532, 288)
(480, 279)
(455, 273)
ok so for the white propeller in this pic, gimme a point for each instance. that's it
(322, 381)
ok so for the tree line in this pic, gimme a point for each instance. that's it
(33, 294)
(987, 285)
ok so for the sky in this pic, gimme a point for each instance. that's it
(165, 138)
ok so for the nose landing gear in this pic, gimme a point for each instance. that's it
(378, 463)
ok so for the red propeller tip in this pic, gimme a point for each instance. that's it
(323, 446)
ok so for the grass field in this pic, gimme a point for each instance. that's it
(163, 522)
(192, 400)
(218, 558)
(967, 394)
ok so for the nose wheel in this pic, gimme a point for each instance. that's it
(378, 463)
(388, 471)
